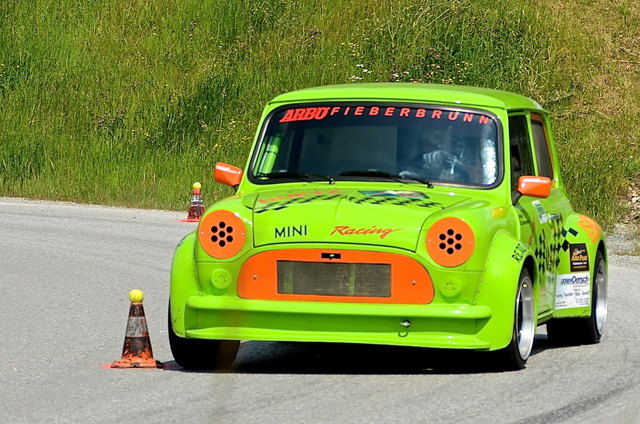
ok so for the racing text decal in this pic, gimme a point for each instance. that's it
(345, 230)
(519, 251)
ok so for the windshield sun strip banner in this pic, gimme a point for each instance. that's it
(319, 113)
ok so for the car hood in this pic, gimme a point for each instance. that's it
(391, 218)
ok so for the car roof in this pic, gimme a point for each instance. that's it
(412, 92)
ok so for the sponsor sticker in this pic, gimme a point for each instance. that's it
(542, 213)
(579, 257)
(573, 290)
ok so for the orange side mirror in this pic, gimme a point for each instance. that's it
(227, 174)
(534, 186)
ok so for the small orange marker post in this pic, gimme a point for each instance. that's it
(136, 351)
(196, 207)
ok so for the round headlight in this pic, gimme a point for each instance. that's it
(450, 242)
(222, 234)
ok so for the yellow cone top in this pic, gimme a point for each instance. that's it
(136, 295)
(197, 186)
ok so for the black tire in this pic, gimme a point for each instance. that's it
(198, 354)
(515, 355)
(576, 331)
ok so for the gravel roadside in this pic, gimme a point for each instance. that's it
(623, 244)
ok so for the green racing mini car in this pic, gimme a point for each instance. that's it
(397, 214)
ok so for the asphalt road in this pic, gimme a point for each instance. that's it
(66, 271)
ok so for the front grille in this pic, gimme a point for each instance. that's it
(334, 279)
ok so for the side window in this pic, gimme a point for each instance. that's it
(520, 149)
(545, 167)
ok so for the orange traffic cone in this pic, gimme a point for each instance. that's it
(196, 207)
(136, 352)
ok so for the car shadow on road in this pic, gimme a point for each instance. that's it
(343, 358)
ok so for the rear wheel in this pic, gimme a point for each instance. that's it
(572, 331)
(198, 354)
(515, 355)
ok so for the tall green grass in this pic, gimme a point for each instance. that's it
(129, 102)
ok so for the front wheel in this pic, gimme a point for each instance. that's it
(572, 331)
(198, 354)
(515, 355)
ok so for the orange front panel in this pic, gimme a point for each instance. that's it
(409, 280)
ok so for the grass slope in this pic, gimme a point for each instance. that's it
(129, 102)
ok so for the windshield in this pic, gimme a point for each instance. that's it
(378, 142)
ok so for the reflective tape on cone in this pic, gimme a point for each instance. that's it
(195, 212)
(136, 350)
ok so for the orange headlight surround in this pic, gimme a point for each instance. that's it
(450, 242)
(222, 234)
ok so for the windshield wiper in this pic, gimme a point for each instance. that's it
(382, 174)
(301, 176)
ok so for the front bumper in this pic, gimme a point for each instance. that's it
(204, 314)
(450, 326)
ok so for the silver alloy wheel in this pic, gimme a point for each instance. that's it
(600, 293)
(525, 316)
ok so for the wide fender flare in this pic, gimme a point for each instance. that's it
(506, 259)
(183, 281)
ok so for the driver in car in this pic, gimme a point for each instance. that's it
(437, 163)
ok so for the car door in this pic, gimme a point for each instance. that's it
(541, 220)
